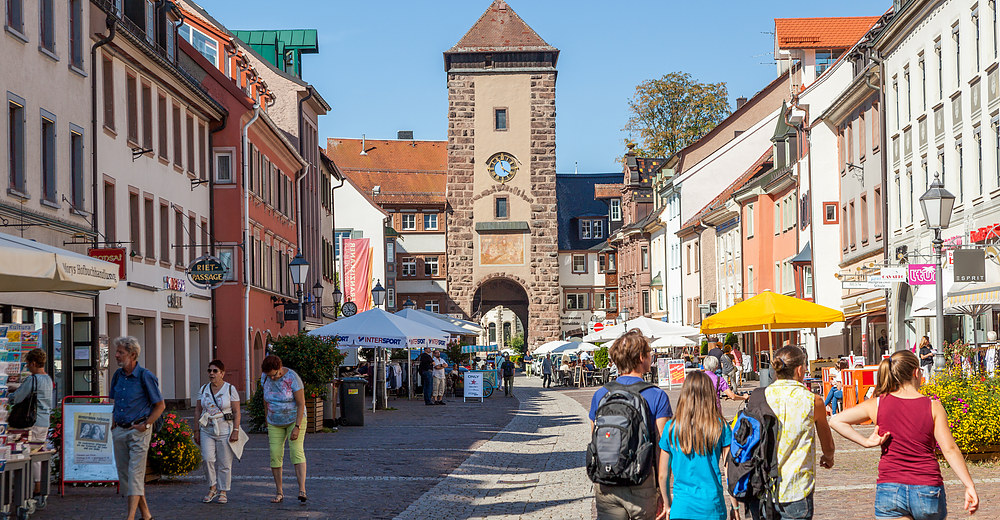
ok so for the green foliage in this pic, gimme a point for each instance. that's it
(601, 358)
(257, 411)
(704, 347)
(973, 407)
(454, 351)
(672, 112)
(730, 339)
(517, 343)
(314, 358)
(172, 450)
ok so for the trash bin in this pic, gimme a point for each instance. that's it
(766, 376)
(352, 401)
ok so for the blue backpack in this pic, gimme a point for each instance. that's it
(752, 464)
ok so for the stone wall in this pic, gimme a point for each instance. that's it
(461, 170)
(544, 252)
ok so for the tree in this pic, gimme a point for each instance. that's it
(517, 343)
(674, 111)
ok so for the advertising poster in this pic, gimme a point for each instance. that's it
(473, 385)
(662, 372)
(88, 450)
(92, 443)
(358, 272)
(676, 367)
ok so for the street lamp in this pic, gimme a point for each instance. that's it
(317, 292)
(624, 315)
(937, 204)
(298, 268)
(378, 294)
(409, 304)
(337, 297)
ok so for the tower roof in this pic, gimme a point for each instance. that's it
(500, 29)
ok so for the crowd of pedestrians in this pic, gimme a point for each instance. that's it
(682, 479)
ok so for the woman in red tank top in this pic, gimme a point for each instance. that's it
(910, 426)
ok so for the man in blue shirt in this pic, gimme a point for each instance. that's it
(137, 405)
(633, 356)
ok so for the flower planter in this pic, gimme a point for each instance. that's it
(314, 414)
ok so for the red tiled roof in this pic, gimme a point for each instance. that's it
(498, 29)
(607, 191)
(406, 172)
(821, 33)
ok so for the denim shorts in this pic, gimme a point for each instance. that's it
(916, 502)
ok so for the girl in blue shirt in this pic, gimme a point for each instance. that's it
(692, 444)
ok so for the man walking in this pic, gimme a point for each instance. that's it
(507, 370)
(439, 365)
(137, 405)
(547, 371)
(426, 376)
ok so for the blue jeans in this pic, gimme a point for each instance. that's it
(798, 510)
(916, 502)
(427, 381)
(834, 396)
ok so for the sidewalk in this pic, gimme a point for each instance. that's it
(374, 471)
(533, 469)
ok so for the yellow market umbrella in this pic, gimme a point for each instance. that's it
(771, 311)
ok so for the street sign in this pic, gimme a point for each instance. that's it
(970, 265)
(349, 309)
(866, 284)
(207, 272)
(598, 327)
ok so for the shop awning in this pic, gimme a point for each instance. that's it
(974, 294)
(30, 266)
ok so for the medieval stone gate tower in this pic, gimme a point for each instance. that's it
(502, 232)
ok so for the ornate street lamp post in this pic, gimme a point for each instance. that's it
(937, 204)
(409, 304)
(337, 297)
(381, 399)
(317, 292)
(298, 268)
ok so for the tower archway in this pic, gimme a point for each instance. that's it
(505, 292)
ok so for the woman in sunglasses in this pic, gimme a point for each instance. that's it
(218, 410)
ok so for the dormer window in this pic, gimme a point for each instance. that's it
(825, 58)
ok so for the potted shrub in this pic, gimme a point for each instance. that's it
(172, 450)
(315, 359)
(973, 406)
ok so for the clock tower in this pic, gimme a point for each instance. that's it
(501, 191)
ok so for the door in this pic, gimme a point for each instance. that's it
(83, 354)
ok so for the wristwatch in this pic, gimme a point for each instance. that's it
(149, 425)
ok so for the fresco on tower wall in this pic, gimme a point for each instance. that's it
(501, 249)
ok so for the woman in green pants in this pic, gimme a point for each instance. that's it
(285, 400)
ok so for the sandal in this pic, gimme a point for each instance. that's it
(277, 498)
(222, 498)
(303, 497)
(212, 493)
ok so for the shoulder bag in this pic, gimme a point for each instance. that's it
(24, 414)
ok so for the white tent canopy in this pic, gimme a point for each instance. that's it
(650, 328)
(29, 266)
(577, 347)
(672, 341)
(431, 321)
(546, 348)
(471, 329)
(380, 329)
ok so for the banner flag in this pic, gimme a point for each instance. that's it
(358, 272)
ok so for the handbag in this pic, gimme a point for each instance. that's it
(24, 414)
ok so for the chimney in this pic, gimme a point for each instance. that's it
(404, 135)
(740, 101)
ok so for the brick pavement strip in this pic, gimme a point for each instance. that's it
(533, 469)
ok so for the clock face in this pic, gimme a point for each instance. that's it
(502, 166)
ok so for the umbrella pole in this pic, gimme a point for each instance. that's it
(770, 348)
(409, 373)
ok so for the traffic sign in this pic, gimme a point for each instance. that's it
(598, 327)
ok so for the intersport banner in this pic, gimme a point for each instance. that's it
(358, 272)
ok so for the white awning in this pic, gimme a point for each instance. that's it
(925, 297)
(29, 266)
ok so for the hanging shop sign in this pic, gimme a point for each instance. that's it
(173, 284)
(115, 255)
(207, 272)
(920, 274)
(292, 312)
(970, 265)
(893, 274)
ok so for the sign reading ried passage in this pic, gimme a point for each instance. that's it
(207, 272)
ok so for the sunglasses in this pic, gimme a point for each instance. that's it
(213, 370)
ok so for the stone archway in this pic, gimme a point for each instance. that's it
(502, 291)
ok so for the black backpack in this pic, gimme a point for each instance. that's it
(623, 446)
(752, 464)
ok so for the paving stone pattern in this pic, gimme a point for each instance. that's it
(533, 469)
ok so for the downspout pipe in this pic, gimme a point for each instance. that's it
(110, 21)
(333, 222)
(244, 143)
(211, 222)
(303, 172)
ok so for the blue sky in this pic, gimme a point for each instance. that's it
(380, 64)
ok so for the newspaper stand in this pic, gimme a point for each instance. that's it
(102, 399)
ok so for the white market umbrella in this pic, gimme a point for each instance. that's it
(29, 266)
(579, 346)
(471, 329)
(650, 328)
(546, 348)
(672, 341)
(431, 321)
(377, 328)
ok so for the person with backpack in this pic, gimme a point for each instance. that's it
(801, 415)
(910, 427)
(38, 386)
(692, 443)
(137, 405)
(507, 370)
(627, 416)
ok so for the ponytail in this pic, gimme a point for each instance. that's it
(786, 360)
(896, 370)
